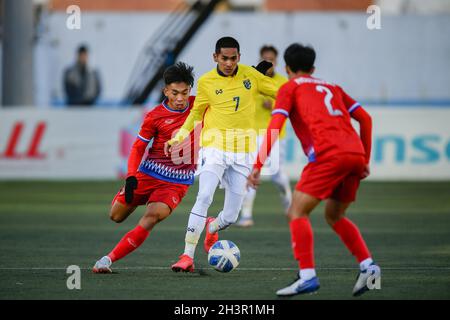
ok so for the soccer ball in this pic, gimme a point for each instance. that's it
(224, 256)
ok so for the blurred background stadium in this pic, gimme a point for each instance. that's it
(61, 163)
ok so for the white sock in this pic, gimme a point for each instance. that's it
(189, 249)
(208, 182)
(195, 228)
(247, 205)
(365, 264)
(307, 274)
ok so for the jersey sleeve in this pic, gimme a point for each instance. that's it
(145, 135)
(136, 154)
(285, 100)
(266, 85)
(365, 130)
(148, 129)
(201, 102)
(350, 103)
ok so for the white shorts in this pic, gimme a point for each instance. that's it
(275, 160)
(226, 165)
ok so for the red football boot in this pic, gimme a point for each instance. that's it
(185, 264)
(210, 238)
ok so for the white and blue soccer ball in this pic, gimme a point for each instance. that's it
(224, 256)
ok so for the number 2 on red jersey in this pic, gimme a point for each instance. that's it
(327, 101)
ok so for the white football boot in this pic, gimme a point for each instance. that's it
(361, 286)
(300, 286)
(103, 265)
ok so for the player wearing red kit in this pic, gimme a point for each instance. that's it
(158, 182)
(338, 158)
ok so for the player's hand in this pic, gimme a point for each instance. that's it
(130, 185)
(366, 172)
(168, 147)
(263, 66)
(253, 180)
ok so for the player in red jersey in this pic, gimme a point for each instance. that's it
(158, 182)
(338, 159)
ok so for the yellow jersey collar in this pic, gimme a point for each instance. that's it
(220, 73)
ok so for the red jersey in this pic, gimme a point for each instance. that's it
(320, 115)
(161, 124)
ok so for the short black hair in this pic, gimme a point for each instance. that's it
(227, 42)
(179, 72)
(268, 48)
(299, 57)
(82, 49)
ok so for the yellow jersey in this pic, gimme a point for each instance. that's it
(263, 115)
(227, 107)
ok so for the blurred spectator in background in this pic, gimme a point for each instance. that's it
(81, 83)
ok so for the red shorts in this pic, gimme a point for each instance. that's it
(150, 189)
(336, 177)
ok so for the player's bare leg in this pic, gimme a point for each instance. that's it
(353, 240)
(335, 210)
(302, 204)
(302, 243)
(155, 212)
(119, 211)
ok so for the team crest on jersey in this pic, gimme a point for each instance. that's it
(247, 84)
(169, 121)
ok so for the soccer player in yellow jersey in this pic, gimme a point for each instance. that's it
(274, 162)
(225, 102)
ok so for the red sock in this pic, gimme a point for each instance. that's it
(302, 242)
(129, 242)
(352, 238)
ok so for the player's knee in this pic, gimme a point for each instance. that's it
(155, 213)
(116, 217)
(149, 220)
(295, 213)
(153, 217)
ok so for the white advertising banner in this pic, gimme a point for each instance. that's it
(409, 143)
(65, 143)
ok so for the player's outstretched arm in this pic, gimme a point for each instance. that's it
(365, 129)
